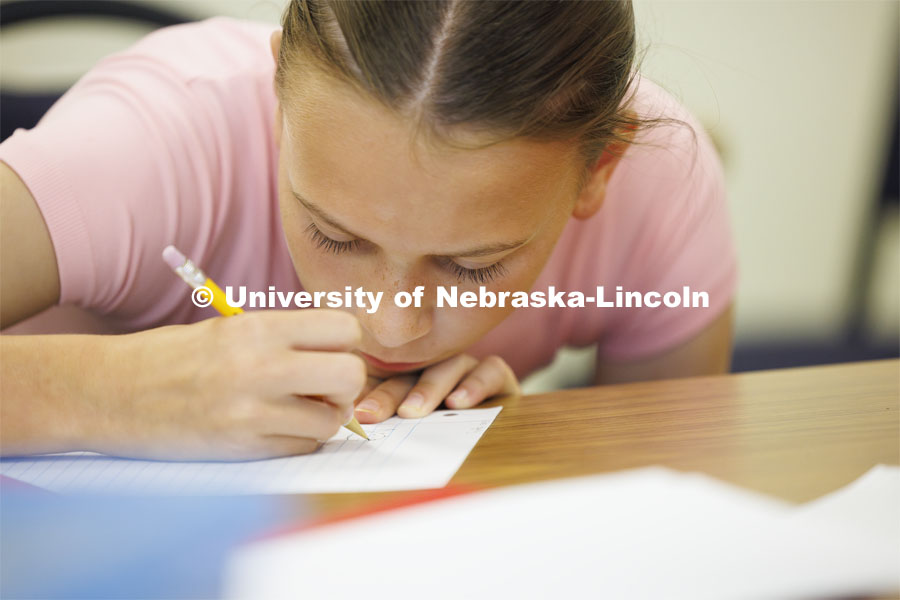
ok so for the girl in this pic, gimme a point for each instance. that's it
(376, 145)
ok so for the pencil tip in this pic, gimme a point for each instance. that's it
(354, 426)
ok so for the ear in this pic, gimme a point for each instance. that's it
(593, 193)
(275, 43)
(278, 125)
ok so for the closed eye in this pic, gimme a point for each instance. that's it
(323, 242)
(480, 276)
(463, 274)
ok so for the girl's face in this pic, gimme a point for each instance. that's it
(365, 203)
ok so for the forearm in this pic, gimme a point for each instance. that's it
(708, 353)
(51, 391)
(236, 388)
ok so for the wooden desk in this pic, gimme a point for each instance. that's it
(793, 433)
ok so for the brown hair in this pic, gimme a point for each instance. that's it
(544, 70)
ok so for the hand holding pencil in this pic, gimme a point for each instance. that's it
(198, 280)
(267, 384)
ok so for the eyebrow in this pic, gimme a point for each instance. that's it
(485, 250)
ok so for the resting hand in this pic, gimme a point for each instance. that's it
(461, 381)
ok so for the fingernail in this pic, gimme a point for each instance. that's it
(456, 398)
(415, 401)
(368, 406)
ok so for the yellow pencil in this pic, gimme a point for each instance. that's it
(206, 292)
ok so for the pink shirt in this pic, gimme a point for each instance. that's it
(170, 142)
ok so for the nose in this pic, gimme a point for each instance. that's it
(393, 326)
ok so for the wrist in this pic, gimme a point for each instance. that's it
(106, 380)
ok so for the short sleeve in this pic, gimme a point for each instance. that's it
(138, 155)
(679, 241)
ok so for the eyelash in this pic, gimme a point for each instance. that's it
(479, 276)
(324, 242)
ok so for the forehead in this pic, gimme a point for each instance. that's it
(358, 160)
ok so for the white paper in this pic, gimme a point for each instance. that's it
(402, 454)
(649, 533)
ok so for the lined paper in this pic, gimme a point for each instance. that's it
(402, 454)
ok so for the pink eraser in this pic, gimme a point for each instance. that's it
(173, 257)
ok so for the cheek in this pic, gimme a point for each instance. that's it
(462, 327)
(456, 330)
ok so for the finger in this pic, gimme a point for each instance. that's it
(274, 446)
(371, 384)
(337, 376)
(382, 402)
(434, 384)
(491, 377)
(297, 416)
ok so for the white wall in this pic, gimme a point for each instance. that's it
(53, 53)
(798, 94)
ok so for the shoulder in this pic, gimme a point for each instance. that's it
(159, 144)
(671, 171)
(215, 48)
(664, 223)
(672, 150)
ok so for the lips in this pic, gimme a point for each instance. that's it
(387, 366)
